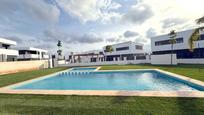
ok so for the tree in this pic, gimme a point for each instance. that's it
(195, 36)
(172, 41)
(109, 49)
(59, 51)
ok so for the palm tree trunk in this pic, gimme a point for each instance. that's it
(172, 54)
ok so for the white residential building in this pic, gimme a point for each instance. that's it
(121, 52)
(6, 51)
(161, 45)
(31, 53)
(125, 51)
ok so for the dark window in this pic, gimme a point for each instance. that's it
(27, 52)
(166, 42)
(201, 37)
(138, 47)
(184, 54)
(122, 48)
(5, 46)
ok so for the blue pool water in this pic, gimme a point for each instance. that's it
(84, 69)
(143, 80)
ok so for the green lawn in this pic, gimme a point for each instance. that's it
(18, 77)
(88, 105)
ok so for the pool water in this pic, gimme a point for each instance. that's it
(84, 69)
(145, 80)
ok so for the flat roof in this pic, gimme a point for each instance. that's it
(32, 49)
(127, 42)
(7, 41)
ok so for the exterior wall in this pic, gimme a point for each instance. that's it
(163, 59)
(131, 50)
(8, 55)
(8, 52)
(18, 66)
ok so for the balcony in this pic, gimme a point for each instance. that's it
(28, 56)
(9, 52)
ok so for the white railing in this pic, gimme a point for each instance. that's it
(28, 56)
(8, 51)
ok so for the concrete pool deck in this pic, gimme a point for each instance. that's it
(9, 90)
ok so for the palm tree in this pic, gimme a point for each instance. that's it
(108, 48)
(59, 51)
(195, 36)
(172, 35)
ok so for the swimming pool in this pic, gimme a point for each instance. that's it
(131, 80)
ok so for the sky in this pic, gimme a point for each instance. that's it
(84, 25)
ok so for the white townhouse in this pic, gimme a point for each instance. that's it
(160, 45)
(31, 53)
(125, 51)
(6, 51)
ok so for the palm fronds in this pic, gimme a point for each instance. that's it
(172, 35)
(200, 20)
(195, 36)
(108, 48)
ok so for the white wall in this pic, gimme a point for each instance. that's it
(131, 45)
(9, 52)
(163, 59)
(19, 66)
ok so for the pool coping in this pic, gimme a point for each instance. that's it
(8, 90)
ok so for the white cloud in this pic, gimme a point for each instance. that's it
(138, 14)
(89, 10)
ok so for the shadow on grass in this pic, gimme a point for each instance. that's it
(190, 106)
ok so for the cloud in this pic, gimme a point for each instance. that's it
(151, 32)
(31, 10)
(89, 10)
(170, 22)
(138, 14)
(129, 34)
(140, 39)
(111, 39)
(14, 38)
(55, 35)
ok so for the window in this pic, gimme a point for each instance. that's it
(166, 42)
(138, 47)
(201, 37)
(122, 48)
(184, 54)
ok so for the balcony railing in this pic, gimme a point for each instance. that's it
(8, 52)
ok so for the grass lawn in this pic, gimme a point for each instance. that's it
(88, 105)
(18, 77)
